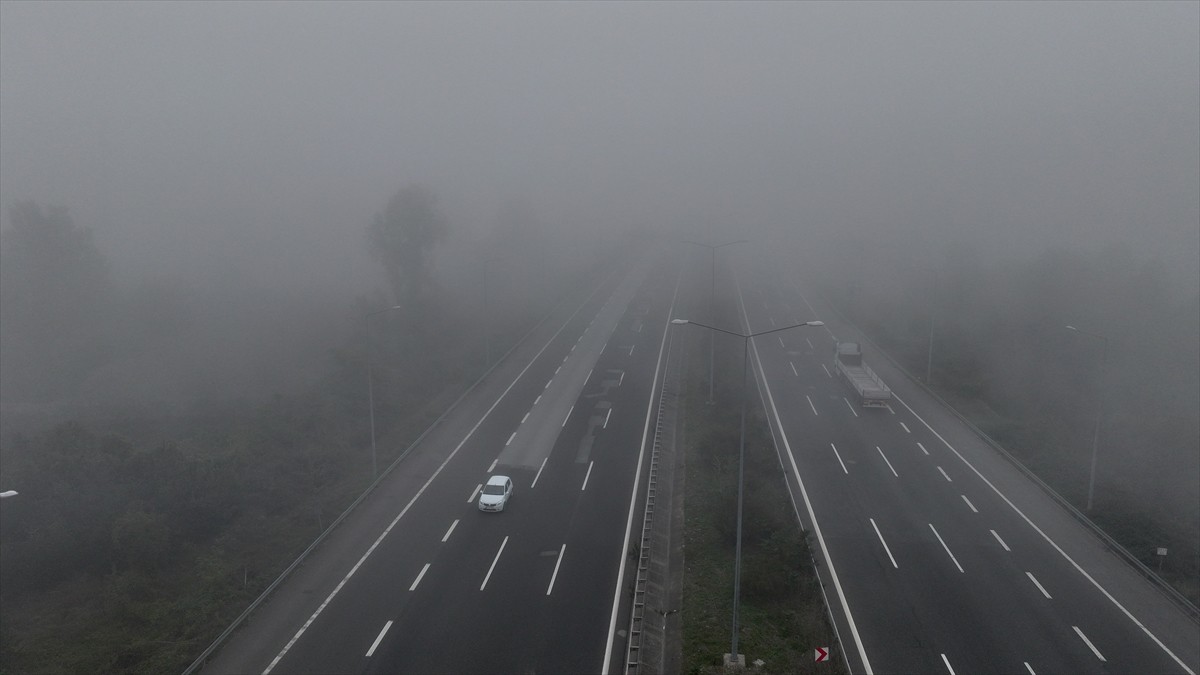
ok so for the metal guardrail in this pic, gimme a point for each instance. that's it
(1162, 585)
(637, 611)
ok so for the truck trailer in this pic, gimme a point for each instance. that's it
(871, 391)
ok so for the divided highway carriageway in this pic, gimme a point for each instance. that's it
(938, 555)
(417, 579)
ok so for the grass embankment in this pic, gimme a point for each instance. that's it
(782, 615)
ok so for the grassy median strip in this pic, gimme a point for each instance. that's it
(782, 615)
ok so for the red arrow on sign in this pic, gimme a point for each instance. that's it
(822, 654)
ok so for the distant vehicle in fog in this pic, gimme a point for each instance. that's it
(848, 360)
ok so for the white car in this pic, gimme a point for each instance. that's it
(496, 493)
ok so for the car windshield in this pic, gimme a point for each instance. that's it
(493, 489)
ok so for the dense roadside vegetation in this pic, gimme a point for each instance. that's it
(1002, 357)
(782, 612)
(143, 527)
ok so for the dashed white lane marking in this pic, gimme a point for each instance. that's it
(1035, 583)
(537, 400)
(827, 373)
(889, 407)
(604, 347)
(539, 473)
(939, 538)
(944, 475)
(631, 350)
(1053, 544)
(1029, 668)
(524, 418)
(810, 344)
(452, 526)
(810, 404)
(494, 561)
(606, 418)
(419, 577)
(906, 429)
(885, 546)
(589, 377)
(556, 372)
(947, 662)
(850, 406)
(1089, 643)
(1006, 548)
(474, 492)
(622, 378)
(556, 564)
(885, 459)
(772, 320)
(793, 369)
(568, 416)
(922, 448)
(968, 501)
(493, 466)
(781, 342)
(510, 438)
(379, 639)
(587, 476)
(839, 456)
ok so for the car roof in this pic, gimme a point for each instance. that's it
(497, 480)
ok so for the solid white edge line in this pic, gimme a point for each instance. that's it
(1006, 548)
(587, 475)
(371, 549)
(947, 662)
(1089, 644)
(945, 475)
(885, 546)
(1061, 552)
(968, 501)
(833, 576)
(810, 404)
(943, 543)
(1029, 668)
(1039, 586)
(885, 459)
(568, 416)
(539, 473)
(494, 561)
(839, 456)
(556, 564)
(606, 418)
(420, 576)
(446, 537)
(474, 492)
(379, 638)
(612, 621)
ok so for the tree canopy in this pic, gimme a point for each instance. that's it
(403, 236)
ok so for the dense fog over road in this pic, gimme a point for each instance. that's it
(210, 210)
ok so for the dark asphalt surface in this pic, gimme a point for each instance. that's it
(426, 575)
(892, 473)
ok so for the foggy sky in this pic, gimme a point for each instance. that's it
(258, 139)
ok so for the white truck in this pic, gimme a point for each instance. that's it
(872, 392)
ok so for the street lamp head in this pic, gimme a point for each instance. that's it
(1072, 328)
(8, 493)
(680, 322)
(815, 323)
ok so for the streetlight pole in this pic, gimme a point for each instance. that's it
(371, 390)
(487, 335)
(932, 310)
(712, 293)
(737, 556)
(1099, 409)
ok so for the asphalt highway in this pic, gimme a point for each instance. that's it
(418, 580)
(937, 555)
